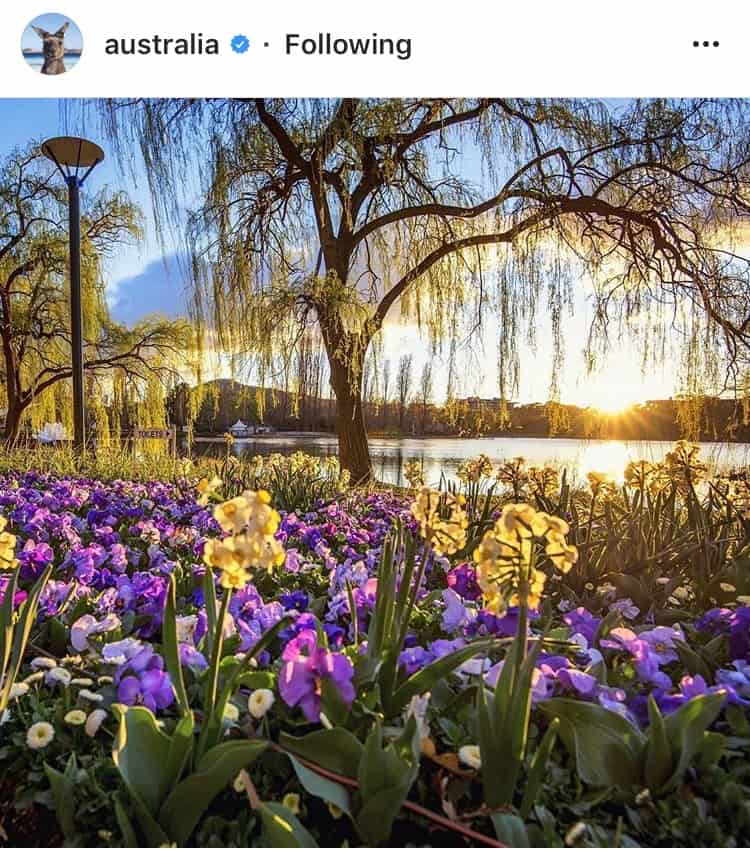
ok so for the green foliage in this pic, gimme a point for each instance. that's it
(335, 749)
(63, 788)
(610, 751)
(15, 629)
(299, 483)
(173, 778)
(282, 828)
(152, 764)
(503, 725)
(400, 575)
(384, 774)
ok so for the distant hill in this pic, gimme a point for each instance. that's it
(222, 402)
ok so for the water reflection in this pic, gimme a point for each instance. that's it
(446, 455)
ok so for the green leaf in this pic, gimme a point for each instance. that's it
(21, 631)
(255, 680)
(129, 837)
(610, 621)
(323, 788)
(141, 754)
(694, 664)
(171, 647)
(187, 802)
(385, 778)
(659, 766)
(282, 827)
(332, 704)
(424, 680)
(490, 746)
(180, 750)
(686, 728)
(510, 830)
(63, 787)
(538, 769)
(607, 748)
(6, 627)
(209, 602)
(337, 749)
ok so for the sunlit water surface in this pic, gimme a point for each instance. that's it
(444, 456)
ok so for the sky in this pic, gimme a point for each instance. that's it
(146, 278)
(51, 23)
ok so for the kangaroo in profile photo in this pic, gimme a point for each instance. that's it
(53, 49)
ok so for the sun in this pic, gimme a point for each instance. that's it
(615, 393)
(613, 404)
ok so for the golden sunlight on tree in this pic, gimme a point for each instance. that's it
(339, 213)
(125, 364)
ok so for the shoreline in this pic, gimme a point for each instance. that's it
(306, 434)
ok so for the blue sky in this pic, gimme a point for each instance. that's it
(51, 23)
(141, 280)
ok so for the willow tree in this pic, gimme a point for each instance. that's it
(34, 295)
(334, 212)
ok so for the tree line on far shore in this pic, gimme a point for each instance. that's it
(406, 408)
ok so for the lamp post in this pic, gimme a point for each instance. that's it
(75, 159)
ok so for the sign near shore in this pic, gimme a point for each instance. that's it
(152, 433)
(169, 434)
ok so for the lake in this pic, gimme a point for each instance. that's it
(36, 60)
(446, 455)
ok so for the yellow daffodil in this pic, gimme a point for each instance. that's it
(506, 556)
(445, 534)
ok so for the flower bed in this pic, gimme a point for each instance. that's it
(218, 637)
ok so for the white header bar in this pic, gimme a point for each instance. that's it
(389, 48)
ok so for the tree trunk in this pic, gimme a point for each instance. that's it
(354, 452)
(13, 423)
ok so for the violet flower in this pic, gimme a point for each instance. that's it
(306, 665)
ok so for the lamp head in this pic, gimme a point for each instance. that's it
(72, 153)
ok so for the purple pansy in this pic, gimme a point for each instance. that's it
(305, 666)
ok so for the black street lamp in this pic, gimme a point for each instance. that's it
(75, 159)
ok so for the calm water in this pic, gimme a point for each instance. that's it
(36, 60)
(446, 455)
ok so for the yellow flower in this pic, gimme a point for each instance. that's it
(522, 520)
(252, 523)
(219, 553)
(638, 474)
(512, 472)
(7, 546)
(683, 465)
(335, 811)
(414, 474)
(564, 556)
(544, 480)
(206, 488)
(234, 514)
(472, 471)
(602, 484)
(505, 556)
(234, 578)
(291, 803)
(444, 535)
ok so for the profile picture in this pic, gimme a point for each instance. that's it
(52, 44)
